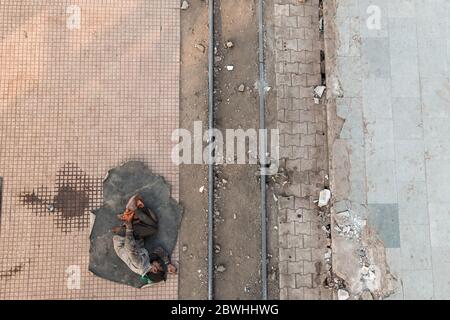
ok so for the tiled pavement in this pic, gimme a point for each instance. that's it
(396, 106)
(302, 242)
(76, 100)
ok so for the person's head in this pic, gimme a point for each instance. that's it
(156, 267)
(156, 272)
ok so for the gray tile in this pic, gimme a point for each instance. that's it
(410, 160)
(435, 96)
(357, 192)
(376, 57)
(353, 127)
(439, 223)
(384, 218)
(381, 184)
(432, 57)
(402, 8)
(405, 65)
(350, 76)
(431, 28)
(407, 115)
(379, 140)
(412, 202)
(441, 266)
(377, 98)
(437, 138)
(349, 36)
(418, 285)
(405, 86)
(416, 248)
(357, 160)
(347, 8)
(403, 36)
(394, 261)
(438, 180)
(432, 19)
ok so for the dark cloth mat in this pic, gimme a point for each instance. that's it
(121, 184)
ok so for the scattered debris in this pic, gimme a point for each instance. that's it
(221, 268)
(241, 88)
(343, 294)
(230, 68)
(184, 5)
(324, 197)
(366, 295)
(229, 44)
(200, 47)
(349, 225)
(318, 91)
(321, 25)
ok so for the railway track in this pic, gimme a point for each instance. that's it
(237, 245)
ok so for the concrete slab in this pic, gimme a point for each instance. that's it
(405, 112)
(415, 247)
(384, 217)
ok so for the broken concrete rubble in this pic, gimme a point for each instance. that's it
(324, 197)
(343, 294)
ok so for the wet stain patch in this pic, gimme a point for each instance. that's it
(69, 201)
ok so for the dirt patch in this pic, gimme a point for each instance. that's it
(193, 107)
(237, 220)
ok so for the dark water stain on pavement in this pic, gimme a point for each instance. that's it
(69, 201)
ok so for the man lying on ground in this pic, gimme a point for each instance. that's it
(152, 267)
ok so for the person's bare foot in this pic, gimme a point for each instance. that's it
(171, 269)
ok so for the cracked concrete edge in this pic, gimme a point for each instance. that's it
(346, 261)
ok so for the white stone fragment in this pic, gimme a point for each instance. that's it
(324, 197)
